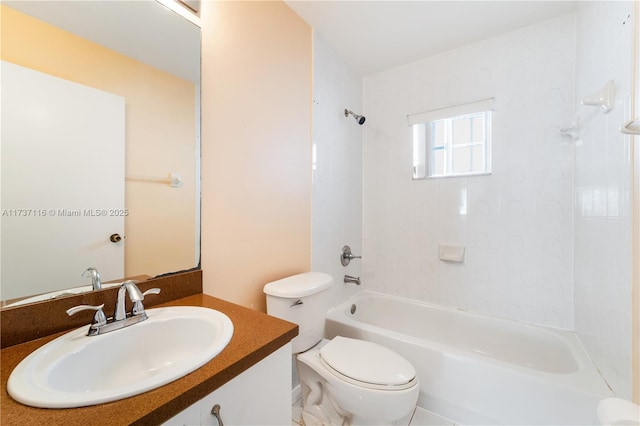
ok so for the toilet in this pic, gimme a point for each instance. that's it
(344, 381)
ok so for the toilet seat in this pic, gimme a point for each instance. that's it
(367, 364)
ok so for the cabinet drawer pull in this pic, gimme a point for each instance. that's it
(216, 413)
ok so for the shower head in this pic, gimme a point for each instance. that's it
(359, 118)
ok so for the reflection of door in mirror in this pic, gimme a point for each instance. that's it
(62, 181)
(162, 118)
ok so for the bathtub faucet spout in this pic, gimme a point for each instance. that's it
(350, 279)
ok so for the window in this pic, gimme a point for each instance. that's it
(453, 141)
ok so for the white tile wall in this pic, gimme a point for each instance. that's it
(337, 177)
(602, 268)
(517, 222)
(540, 247)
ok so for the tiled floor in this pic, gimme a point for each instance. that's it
(420, 417)
(296, 412)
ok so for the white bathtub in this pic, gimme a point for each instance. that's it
(476, 369)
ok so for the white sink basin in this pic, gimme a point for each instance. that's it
(75, 370)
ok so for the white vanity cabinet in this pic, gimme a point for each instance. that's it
(260, 395)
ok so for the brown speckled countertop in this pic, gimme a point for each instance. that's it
(255, 336)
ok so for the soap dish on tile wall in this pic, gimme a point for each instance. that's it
(604, 98)
(453, 254)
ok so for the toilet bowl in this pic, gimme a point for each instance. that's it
(344, 381)
(364, 383)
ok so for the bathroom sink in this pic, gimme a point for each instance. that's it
(76, 370)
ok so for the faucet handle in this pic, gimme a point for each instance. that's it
(80, 308)
(138, 307)
(99, 319)
(346, 256)
(154, 290)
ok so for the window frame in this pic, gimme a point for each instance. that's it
(423, 130)
(449, 147)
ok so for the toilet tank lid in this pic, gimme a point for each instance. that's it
(300, 285)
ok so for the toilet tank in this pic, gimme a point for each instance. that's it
(304, 300)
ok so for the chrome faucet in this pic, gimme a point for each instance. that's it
(350, 279)
(95, 277)
(120, 319)
(134, 294)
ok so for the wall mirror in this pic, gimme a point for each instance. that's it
(109, 177)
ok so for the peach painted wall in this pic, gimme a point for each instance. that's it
(256, 147)
(160, 135)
